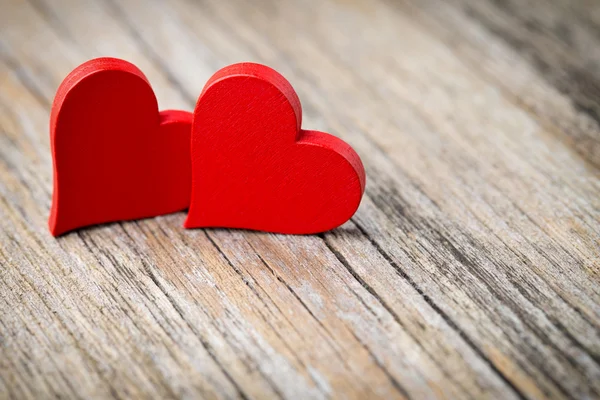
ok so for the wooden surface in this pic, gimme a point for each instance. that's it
(471, 269)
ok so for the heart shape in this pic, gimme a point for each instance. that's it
(115, 156)
(253, 167)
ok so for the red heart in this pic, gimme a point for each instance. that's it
(115, 156)
(254, 168)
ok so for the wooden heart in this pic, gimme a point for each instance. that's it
(253, 166)
(115, 156)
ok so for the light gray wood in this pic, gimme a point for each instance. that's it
(471, 269)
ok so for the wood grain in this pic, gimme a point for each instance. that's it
(471, 270)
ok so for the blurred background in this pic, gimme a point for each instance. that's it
(386, 67)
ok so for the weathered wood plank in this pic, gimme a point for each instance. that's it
(319, 70)
(426, 180)
(470, 271)
(105, 252)
(558, 41)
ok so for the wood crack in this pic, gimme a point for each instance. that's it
(440, 312)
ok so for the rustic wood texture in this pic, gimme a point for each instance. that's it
(471, 269)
